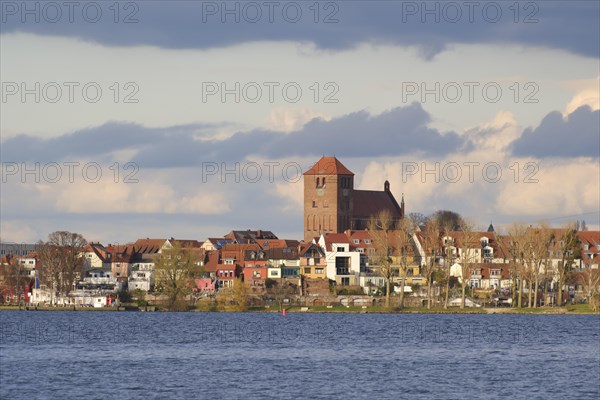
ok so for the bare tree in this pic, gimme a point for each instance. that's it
(568, 247)
(448, 258)
(467, 256)
(590, 280)
(380, 229)
(61, 261)
(13, 278)
(539, 238)
(175, 268)
(432, 249)
(417, 219)
(516, 247)
(405, 251)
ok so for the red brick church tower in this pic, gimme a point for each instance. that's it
(331, 204)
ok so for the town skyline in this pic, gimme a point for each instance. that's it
(115, 145)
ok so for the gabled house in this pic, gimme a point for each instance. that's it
(255, 269)
(590, 249)
(313, 263)
(212, 244)
(96, 256)
(231, 262)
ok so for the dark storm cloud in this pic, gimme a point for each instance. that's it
(399, 131)
(568, 25)
(577, 135)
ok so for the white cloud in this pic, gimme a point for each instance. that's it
(292, 119)
(588, 95)
(568, 187)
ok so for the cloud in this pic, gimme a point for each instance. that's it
(576, 135)
(589, 96)
(289, 120)
(572, 26)
(401, 130)
(562, 188)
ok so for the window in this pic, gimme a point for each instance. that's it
(339, 248)
(229, 261)
(367, 241)
(318, 270)
(356, 241)
(273, 273)
(307, 270)
(314, 204)
(360, 250)
(317, 260)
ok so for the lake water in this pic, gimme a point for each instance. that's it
(122, 355)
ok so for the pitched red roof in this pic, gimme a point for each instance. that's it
(328, 166)
(148, 246)
(591, 239)
(331, 238)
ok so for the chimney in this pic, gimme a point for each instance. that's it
(386, 186)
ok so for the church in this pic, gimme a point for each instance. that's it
(331, 204)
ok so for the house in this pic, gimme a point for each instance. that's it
(312, 261)
(96, 256)
(141, 276)
(249, 236)
(205, 285)
(255, 270)
(18, 276)
(230, 262)
(287, 260)
(590, 249)
(16, 249)
(344, 264)
(332, 205)
(212, 244)
(485, 275)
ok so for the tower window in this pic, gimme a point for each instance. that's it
(314, 204)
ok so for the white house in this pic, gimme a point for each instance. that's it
(141, 277)
(344, 265)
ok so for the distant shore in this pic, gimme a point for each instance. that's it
(569, 309)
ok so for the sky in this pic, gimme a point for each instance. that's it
(187, 119)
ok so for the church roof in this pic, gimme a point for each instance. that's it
(369, 202)
(328, 166)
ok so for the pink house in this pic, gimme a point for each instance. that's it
(204, 285)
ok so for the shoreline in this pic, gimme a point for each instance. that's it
(566, 310)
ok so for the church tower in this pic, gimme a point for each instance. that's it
(328, 198)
